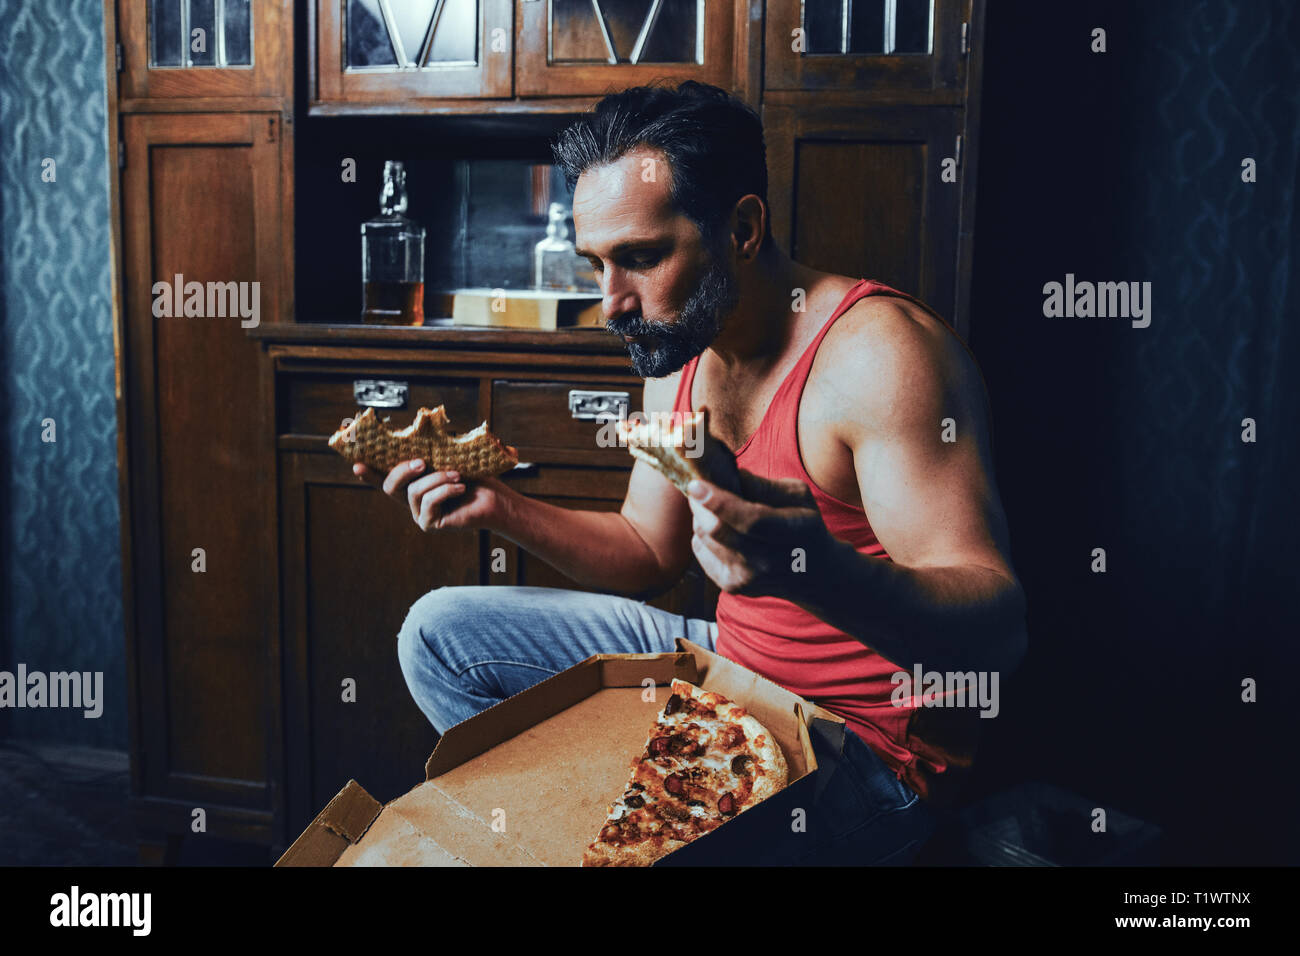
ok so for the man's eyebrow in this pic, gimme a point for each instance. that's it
(628, 244)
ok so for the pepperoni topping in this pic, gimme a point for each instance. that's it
(674, 704)
(673, 784)
(740, 764)
(726, 805)
(659, 746)
(635, 801)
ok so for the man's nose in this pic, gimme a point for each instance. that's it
(618, 297)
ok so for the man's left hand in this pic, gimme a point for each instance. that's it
(747, 543)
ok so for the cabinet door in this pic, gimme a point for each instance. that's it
(880, 47)
(352, 564)
(372, 51)
(205, 48)
(201, 200)
(862, 193)
(588, 47)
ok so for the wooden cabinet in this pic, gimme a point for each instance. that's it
(200, 113)
(531, 55)
(236, 661)
(871, 116)
(201, 207)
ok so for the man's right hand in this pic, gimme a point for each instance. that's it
(440, 501)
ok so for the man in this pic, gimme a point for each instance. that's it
(868, 537)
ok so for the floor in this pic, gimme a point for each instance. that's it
(67, 806)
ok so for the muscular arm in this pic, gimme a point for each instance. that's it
(949, 599)
(639, 551)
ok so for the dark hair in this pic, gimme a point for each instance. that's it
(713, 141)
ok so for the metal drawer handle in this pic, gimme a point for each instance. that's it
(379, 394)
(597, 406)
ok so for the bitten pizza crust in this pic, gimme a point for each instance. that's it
(475, 454)
(705, 761)
(682, 451)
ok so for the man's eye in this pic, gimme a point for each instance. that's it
(596, 265)
(643, 260)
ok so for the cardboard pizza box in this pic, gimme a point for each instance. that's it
(528, 782)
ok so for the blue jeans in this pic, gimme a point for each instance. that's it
(463, 649)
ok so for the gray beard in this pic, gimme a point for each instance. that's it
(670, 345)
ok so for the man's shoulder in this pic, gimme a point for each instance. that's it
(886, 335)
(890, 359)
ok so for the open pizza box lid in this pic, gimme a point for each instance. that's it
(529, 781)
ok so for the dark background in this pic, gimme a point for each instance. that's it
(1127, 166)
(1122, 166)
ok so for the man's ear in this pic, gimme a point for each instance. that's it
(749, 225)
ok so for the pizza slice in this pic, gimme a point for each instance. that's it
(705, 761)
(682, 450)
(475, 454)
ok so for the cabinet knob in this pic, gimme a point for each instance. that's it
(378, 393)
(597, 406)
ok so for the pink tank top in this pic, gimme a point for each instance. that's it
(790, 646)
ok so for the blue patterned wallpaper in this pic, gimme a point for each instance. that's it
(61, 550)
(1225, 252)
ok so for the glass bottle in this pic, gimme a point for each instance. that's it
(553, 256)
(555, 264)
(392, 258)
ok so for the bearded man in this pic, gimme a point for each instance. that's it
(860, 426)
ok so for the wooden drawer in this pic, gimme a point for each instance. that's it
(317, 404)
(535, 417)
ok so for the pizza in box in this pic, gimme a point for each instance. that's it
(706, 760)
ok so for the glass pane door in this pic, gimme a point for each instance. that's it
(588, 47)
(185, 34)
(881, 27)
(916, 48)
(385, 35)
(625, 31)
